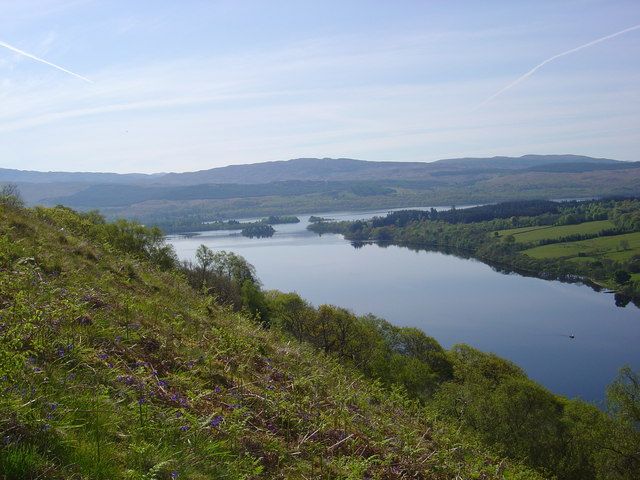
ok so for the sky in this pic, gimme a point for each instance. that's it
(157, 86)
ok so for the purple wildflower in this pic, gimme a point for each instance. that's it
(174, 475)
(126, 379)
(84, 320)
(271, 427)
(216, 421)
(184, 428)
(103, 356)
(217, 389)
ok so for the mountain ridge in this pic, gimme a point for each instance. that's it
(311, 168)
(321, 185)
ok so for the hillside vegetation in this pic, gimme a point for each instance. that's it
(117, 362)
(113, 366)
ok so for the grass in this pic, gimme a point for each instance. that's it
(601, 247)
(535, 234)
(110, 368)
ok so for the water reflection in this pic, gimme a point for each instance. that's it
(620, 299)
(453, 298)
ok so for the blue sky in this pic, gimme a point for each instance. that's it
(191, 85)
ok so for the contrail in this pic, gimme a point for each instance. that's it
(551, 59)
(41, 60)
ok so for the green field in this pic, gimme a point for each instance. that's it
(613, 248)
(549, 232)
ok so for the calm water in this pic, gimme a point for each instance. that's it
(455, 300)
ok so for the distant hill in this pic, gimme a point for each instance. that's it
(350, 169)
(577, 167)
(297, 169)
(309, 169)
(30, 176)
(317, 185)
(523, 162)
(98, 196)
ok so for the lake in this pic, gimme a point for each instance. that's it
(455, 300)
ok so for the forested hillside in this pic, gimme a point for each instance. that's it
(306, 185)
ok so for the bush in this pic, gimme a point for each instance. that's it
(124, 236)
(10, 195)
(621, 277)
(393, 355)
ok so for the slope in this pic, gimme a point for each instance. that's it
(113, 368)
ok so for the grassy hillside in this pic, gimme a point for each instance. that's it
(112, 368)
(617, 247)
(554, 232)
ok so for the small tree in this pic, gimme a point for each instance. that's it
(204, 258)
(621, 277)
(10, 195)
(253, 300)
(510, 239)
(623, 396)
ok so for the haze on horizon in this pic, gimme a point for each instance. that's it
(197, 85)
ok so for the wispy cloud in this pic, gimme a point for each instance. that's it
(551, 59)
(42, 60)
(199, 87)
